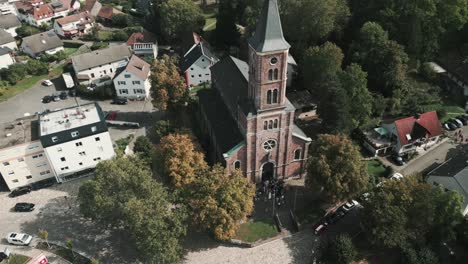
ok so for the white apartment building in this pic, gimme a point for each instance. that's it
(22, 158)
(74, 25)
(133, 81)
(75, 139)
(100, 66)
(197, 63)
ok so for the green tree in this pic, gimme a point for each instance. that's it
(425, 255)
(339, 251)
(163, 128)
(144, 148)
(44, 234)
(179, 16)
(168, 88)
(120, 20)
(25, 30)
(334, 108)
(221, 200)
(123, 195)
(337, 168)
(226, 29)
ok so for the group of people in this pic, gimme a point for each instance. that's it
(271, 189)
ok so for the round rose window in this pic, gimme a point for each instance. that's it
(269, 145)
(273, 60)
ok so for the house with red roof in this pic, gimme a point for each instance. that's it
(36, 12)
(143, 44)
(74, 25)
(106, 13)
(404, 135)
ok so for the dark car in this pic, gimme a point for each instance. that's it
(72, 93)
(47, 99)
(463, 119)
(334, 217)
(20, 191)
(42, 184)
(3, 256)
(24, 207)
(450, 126)
(120, 101)
(453, 121)
(398, 160)
(63, 95)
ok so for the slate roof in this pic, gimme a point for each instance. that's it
(138, 67)
(199, 50)
(223, 127)
(43, 41)
(9, 21)
(5, 37)
(142, 37)
(231, 79)
(427, 125)
(100, 57)
(268, 35)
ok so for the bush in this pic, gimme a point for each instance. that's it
(70, 44)
(99, 45)
(341, 250)
(119, 36)
(163, 128)
(120, 20)
(103, 92)
(25, 31)
(441, 113)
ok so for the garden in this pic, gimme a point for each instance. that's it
(256, 230)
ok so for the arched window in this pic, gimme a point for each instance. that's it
(265, 125)
(275, 77)
(270, 75)
(237, 165)
(275, 124)
(269, 97)
(275, 96)
(270, 124)
(297, 154)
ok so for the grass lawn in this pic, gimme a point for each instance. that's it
(16, 259)
(195, 89)
(105, 35)
(70, 51)
(376, 169)
(210, 19)
(256, 230)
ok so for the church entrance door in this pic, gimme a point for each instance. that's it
(268, 171)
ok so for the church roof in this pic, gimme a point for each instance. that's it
(269, 33)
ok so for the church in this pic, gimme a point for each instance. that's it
(246, 118)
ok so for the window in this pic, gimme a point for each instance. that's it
(75, 133)
(82, 153)
(202, 59)
(270, 124)
(41, 165)
(93, 129)
(98, 158)
(273, 61)
(275, 124)
(265, 125)
(237, 165)
(97, 139)
(297, 154)
(270, 75)
(127, 76)
(269, 145)
(6, 163)
(15, 180)
(11, 172)
(29, 177)
(33, 147)
(191, 69)
(80, 163)
(275, 75)
(20, 159)
(110, 70)
(136, 82)
(64, 168)
(92, 75)
(275, 96)
(123, 91)
(37, 156)
(193, 76)
(62, 159)
(44, 172)
(59, 149)
(79, 144)
(105, 72)
(54, 139)
(121, 82)
(269, 97)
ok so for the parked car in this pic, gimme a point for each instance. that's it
(72, 93)
(111, 116)
(397, 176)
(21, 239)
(458, 121)
(20, 191)
(47, 99)
(398, 160)
(24, 207)
(63, 95)
(450, 126)
(320, 229)
(458, 124)
(47, 83)
(43, 184)
(56, 97)
(3, 256)
(349, 205)
(334, 217)
(120, 101)
(463, 119)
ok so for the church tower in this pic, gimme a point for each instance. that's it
(268, 55)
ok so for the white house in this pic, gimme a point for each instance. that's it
(452, 175)
(75, 139)
(143, 44)
(7, 41)
(22, 158)
(7, 7)
(6, 59)
(74, 25)
(10, 23)
(196, 64)
(133, 81)
(38, 12)
(100, 66)
(42, 43)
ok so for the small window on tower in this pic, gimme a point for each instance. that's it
(237, 165)
(269, 97)
(265, 125)
(275, 96)
(273, 61)
(275, 124)
(275, 75)
(270, 124)
(297, 154)
(270, 75)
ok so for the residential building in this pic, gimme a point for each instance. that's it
(246, 117)
(196, 64)
(42, 43)
(7, 41)
(10, 23)
(75, 139)
(7, 7)
(36, 13)
(93, 7)
(106, 13)
(404, 135)
(452, 175)
(143, 44)
(22, 158)
(6, 58)
(133, 81)
(100, 66)
(74, 25)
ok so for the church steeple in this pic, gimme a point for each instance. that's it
(269, 33)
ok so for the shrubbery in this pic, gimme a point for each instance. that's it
(103, 92)
(19, 71)
(99, 45)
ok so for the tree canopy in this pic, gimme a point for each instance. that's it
(178, 17)
(338, 251)
(337, 168)
(124, 195)
(226, 31)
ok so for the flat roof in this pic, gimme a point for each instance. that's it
(68, 118)
(20, 131)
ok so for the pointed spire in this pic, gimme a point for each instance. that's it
(269, 34)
